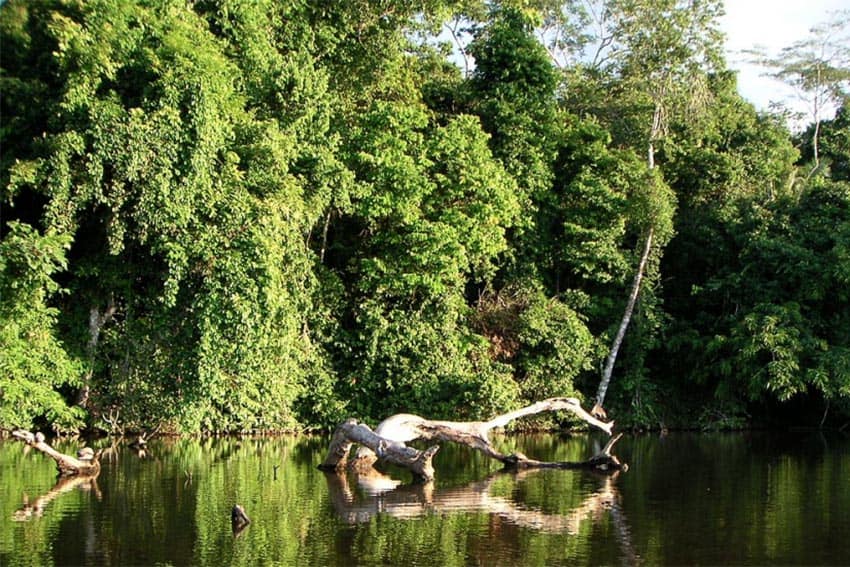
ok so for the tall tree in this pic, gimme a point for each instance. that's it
(818, 69)
(513, 89)
(532, 320)
(723, 163)
(659, 53)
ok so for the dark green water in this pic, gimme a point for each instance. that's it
(687, 499)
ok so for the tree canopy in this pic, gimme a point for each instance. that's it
(231, 216)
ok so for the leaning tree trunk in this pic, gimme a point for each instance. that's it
(387, 441)
(655, 130)
(621, 332)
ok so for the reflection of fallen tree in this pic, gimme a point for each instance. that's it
(387, 441)
(85, 463)
(35, 508)
(383, 495)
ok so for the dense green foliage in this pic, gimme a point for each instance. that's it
(265, 215)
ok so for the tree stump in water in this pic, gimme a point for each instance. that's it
(239, 519)
(387, 441)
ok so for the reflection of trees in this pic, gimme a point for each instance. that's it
(380, 494)
(35, 508)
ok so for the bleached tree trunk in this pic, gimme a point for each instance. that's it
(655, 131)
(96, 322)
(86, 463)
(387, 441)
(621, 332)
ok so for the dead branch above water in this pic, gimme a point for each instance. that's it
(86, 463)
(388, 441)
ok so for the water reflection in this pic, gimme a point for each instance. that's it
(34, 508)
(381, 494)
(742, 499)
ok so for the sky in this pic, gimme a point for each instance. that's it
(772, 24)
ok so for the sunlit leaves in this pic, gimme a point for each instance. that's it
(435, 205)
(291, 210)
(34, 364)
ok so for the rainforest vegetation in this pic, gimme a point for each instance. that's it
(221, 215)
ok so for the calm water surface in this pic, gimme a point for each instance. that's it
(687, 499)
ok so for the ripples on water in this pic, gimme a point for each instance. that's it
(687, 499)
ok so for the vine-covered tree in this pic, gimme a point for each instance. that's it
(261, 215)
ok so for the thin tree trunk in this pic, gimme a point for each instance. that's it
(325, 237)
(815, 149)
(96, 323)
(459, 44)
(621, 332)
(655, 130)
(825, 413)
(816, 113)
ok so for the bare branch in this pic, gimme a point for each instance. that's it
(388, 440)
(88, 462)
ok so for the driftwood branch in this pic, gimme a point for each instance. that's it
(350, 432)
(85, 463)
(387, 441)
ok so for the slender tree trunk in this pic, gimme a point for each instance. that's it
(655, 130)
(96, 323)
(815, 149)
(453, 30)
(621, 332)
(816, 112)
(325, 237)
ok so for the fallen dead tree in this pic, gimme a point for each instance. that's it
(86, 463)
(388, 441)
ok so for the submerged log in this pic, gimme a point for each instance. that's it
(387, 441)
(86, 463)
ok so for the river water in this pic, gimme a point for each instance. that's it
(687, 499)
